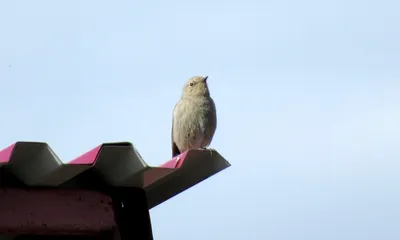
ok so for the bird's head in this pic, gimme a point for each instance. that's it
(196, 86)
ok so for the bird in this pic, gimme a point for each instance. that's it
(194, 119)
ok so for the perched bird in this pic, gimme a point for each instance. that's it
(194, 117)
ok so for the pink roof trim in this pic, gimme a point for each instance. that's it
(87, 158)
(90, 157)
(5, 154)
(176, 162)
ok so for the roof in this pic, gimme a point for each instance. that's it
(117, 164)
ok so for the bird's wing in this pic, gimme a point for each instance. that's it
(175, 149)
(213, 123)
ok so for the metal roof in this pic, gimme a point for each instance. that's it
(116, 164)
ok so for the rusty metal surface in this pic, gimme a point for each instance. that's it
(61, 211)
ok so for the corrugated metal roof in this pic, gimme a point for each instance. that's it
(117, 164)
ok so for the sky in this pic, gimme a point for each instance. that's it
(307, 95)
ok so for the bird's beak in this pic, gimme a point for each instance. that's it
(205, 79)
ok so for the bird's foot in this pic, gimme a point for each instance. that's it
(209, 149)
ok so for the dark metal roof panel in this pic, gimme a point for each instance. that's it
(117, 164)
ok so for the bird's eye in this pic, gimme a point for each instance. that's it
(191, 84)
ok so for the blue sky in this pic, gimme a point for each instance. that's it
(307, 94)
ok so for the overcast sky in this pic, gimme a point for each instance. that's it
(307, 92)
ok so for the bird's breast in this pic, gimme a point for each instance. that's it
(197, 113)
